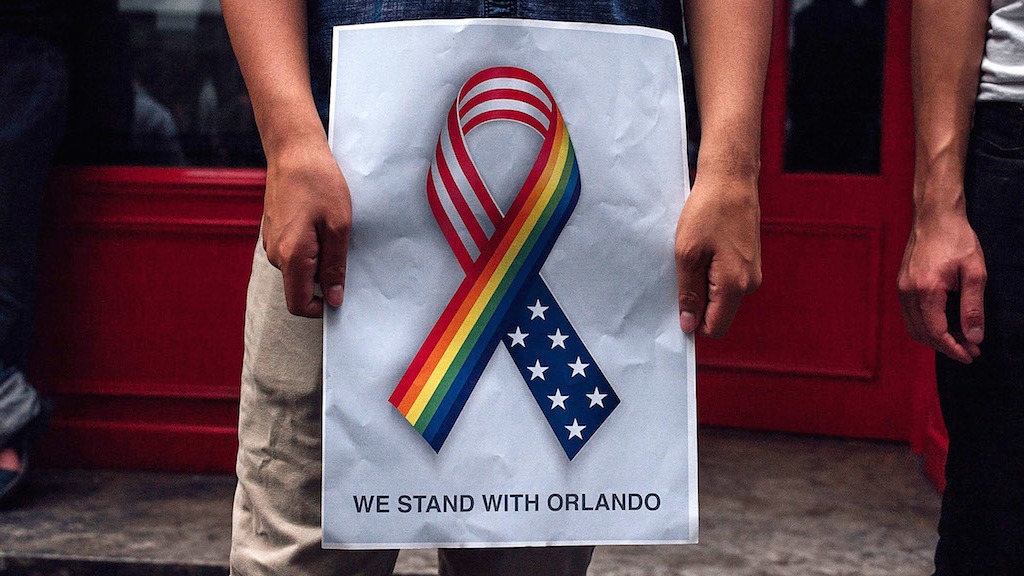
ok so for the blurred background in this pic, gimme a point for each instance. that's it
(154, 83)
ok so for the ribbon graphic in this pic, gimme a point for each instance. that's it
(503, 297)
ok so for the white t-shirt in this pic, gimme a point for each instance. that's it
(1002, 68)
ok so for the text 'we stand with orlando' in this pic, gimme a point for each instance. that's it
(449, 503)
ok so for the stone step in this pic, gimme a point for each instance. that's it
(770, 504)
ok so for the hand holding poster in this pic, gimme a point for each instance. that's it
(580, 427)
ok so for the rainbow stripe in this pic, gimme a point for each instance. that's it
(443, 373)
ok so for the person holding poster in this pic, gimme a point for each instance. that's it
(283, 48)
(962, 279)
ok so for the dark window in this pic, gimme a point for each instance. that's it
(833, 121)
(154, 82)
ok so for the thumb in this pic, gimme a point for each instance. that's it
(693, 291)
(333, 260)
(972, 306)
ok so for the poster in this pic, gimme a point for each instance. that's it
(507, 367)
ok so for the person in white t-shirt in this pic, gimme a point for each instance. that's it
(962, 279)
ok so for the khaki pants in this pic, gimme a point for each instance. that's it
(276, 520)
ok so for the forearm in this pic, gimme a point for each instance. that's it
(307, 211)
(730, 61)
(718, 247)
(269, 40)
(943, 254)
(947, 44)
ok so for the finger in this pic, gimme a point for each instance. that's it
(910, 304)
(970, 347)
(692, 273)
(948, 345)
(723, 303)
(332, 264)
(972, 304)
(298, 276)
(936, 327)
(913, 316)
(911, 313)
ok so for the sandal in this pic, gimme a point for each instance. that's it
(12, 480)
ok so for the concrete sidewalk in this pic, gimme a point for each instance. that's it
(771, 504)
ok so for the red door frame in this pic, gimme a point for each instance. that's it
(821, 347)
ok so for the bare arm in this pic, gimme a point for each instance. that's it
(307, 212)
(943, 254)
(718, 250)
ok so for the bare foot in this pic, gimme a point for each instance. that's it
(9, 460)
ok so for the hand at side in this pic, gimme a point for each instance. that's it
(718, 252)
(943, 256)
(306, 222)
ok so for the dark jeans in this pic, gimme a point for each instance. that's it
(33, 106)
(982, 526)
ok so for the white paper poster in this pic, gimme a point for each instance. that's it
(507, 368)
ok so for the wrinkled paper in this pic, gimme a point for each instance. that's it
(501, 478)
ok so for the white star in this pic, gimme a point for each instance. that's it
(518, 337)
(575, 430)
(578, 367)
(596, 399)
(558, 399)
(537, 371)
(558, 339)
(537, 311)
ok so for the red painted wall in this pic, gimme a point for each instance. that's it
(140, 313)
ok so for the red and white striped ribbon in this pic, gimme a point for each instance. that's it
(459, 199)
